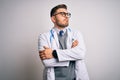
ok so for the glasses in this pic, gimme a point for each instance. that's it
(64, 14)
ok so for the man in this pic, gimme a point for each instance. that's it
(62, 49)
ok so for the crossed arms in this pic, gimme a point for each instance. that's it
(47, 53)
(76, 52)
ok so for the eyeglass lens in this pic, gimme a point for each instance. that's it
(64, 14)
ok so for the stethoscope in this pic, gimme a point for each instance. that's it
(52, 34)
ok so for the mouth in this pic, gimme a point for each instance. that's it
(66, 20)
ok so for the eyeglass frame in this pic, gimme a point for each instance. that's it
(63, 14)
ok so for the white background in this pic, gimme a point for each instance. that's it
(21, 21)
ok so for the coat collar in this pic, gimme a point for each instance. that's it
(54, 32)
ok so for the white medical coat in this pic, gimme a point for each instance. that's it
(77, 54)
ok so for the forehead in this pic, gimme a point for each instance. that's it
(61, 10)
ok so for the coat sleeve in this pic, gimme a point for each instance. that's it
(43, 41)
(75, 53)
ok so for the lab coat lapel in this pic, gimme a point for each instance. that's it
(69, 40)
(56, 39)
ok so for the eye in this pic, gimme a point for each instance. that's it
(63, 13)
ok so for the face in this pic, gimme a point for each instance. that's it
(60, 19)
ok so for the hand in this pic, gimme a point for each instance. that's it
(46, 53)
(74, 44)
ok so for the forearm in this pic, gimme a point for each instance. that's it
(75, 53)
(54, 63)
(71, 54)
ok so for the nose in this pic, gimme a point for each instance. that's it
(68, 15)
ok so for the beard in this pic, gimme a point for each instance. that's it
(62, 25)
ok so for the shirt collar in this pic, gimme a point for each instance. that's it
(58, 30)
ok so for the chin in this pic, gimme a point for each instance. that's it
(64, 26)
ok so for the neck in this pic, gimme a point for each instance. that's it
(60, 28)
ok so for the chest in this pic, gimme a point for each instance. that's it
(55, 44)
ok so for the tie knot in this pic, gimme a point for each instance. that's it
(61, 33)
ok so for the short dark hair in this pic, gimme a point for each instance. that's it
(54, 9)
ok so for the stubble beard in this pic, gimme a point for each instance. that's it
(62, 25)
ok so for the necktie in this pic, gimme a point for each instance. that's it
(61, 33)
(62, 39)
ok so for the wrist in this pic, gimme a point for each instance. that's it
(54, 53)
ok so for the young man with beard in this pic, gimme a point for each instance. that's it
(62, 49)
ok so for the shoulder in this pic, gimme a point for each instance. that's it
(45, 34)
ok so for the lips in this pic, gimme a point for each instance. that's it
(66, 20)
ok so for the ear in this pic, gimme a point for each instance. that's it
(53, 19)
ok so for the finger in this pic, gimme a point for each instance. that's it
(72, 45)
(41, 51)
(43, 58)
(45, 47)
(42, 54)
(76, 41)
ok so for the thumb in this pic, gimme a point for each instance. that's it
(45, 47)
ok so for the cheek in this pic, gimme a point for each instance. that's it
(59, 18)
